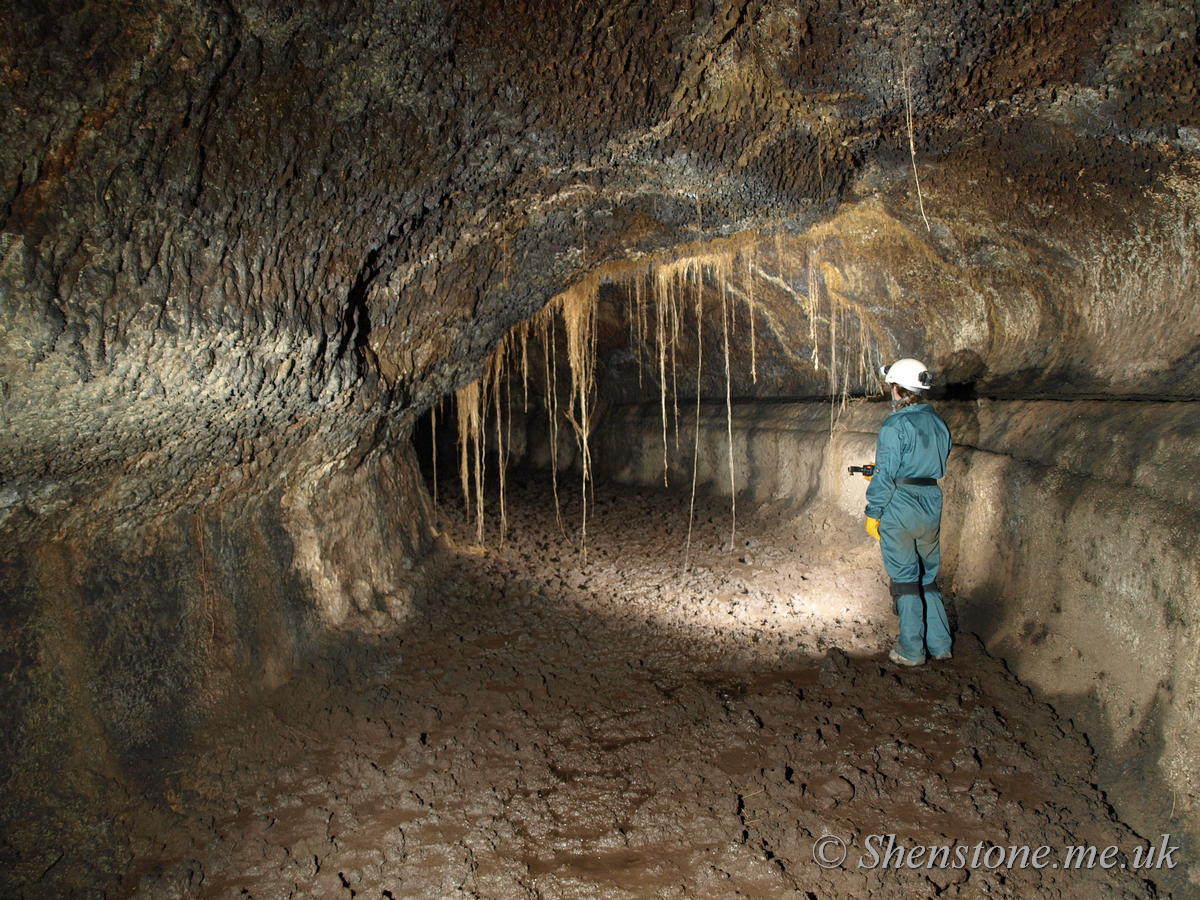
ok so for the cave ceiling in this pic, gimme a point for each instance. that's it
(250, 242)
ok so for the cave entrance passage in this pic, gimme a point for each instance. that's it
(544, 728)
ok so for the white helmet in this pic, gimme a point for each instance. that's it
(908, 373)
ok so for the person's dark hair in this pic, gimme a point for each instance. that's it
(907, 397)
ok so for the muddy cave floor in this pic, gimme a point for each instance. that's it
(544, 728)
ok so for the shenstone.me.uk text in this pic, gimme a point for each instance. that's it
(882, 851)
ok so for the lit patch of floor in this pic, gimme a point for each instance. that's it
(632, 729)
(786, 582)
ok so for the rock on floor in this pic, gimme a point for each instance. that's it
(629, 728)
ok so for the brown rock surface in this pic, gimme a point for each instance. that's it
(245, 245)
(634, 729)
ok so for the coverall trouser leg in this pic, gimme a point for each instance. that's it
(923, 624)
(909, 535)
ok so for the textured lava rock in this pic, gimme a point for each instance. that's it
(243, 246)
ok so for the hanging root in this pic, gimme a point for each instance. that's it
(470, 436)
(696, 448)
(494, 377)
(908, 119)
(577, 306)
(729, 423)
(748, 279)
(827, 304)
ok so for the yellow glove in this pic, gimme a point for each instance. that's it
(873, 528)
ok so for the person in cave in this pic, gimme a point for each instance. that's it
(904, 512)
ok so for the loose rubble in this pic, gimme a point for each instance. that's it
(626, 728)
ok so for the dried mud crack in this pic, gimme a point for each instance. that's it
(627, 729)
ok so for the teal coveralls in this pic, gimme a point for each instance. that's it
(913, 443)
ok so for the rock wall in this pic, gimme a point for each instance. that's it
(243, 246)
(1069, 545)
(122, 645)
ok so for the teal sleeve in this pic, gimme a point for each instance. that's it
(888, 453)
